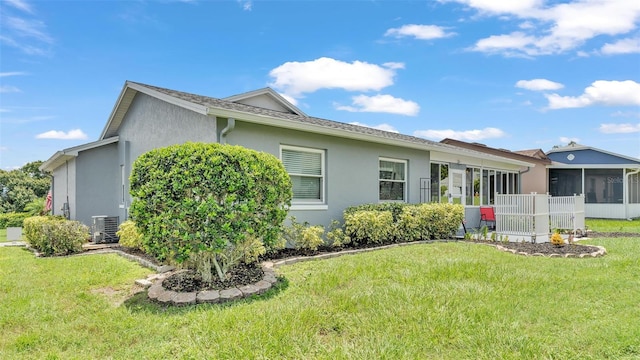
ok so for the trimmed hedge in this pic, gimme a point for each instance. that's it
(206, 197)
(13, 219)
(52, 235)
(391, 222)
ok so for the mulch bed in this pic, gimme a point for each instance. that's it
(547, 248)
(188, 280)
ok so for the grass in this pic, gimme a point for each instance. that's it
(3, 235)
(608, 225)
(441, 300)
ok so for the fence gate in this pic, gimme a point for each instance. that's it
(566, 212)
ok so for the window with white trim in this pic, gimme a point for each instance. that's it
(392, 179)
(306, 170)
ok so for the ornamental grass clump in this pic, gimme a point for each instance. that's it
(202, 202)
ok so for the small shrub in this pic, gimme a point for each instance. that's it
(556, 239)
(129, 235)
(369, 227)
(54, 235)
(13, 219)
(302, 235)
(336, 235)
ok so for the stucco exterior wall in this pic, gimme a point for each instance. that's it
(151, 123)
(352, 167)
(535, 180)
(98, 179)
(64, 188)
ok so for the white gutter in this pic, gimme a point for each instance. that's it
(337, 132)
(626, 192)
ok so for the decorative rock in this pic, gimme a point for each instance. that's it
(184, 298)
(248, 290)
(262, 286)
(270, 278)
(523, 253)
(584, 255)
(537, 254)
(166, 296)
(570, 255)
(278, 263)
(230, 294)
(165, 268)
(208, 296)
(144, 283)
(155, 291)
(267, 265)
(291, 261)
(554, 255)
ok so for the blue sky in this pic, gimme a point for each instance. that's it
(510, 74)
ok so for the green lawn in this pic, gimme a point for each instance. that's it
(608, 225)
(441, 301)
(3, 235)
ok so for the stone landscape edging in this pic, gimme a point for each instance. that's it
(600, 252)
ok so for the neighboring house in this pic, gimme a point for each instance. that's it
(332, 165)
(533, 179)
(610, 182)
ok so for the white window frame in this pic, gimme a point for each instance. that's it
(319, 204)
(405, 182)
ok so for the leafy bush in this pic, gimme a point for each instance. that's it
(368, 226)
(412, 222)
(302, 235)
(129, 235)
(52, 235)
(394, 207)
(198, 197)
(12, 219)
(336, 235)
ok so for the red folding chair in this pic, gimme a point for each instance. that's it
(488, 216)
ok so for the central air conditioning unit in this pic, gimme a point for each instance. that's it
(104, 229)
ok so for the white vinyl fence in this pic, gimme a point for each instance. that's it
(532, 217)
(567, 213)
(523, 217)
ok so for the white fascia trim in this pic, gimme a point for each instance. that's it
(317, 129)
(201, 109)
(594, 166)
(306, 207)
(61, 156)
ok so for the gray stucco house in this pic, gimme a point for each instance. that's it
(610, 182)
(344, 164)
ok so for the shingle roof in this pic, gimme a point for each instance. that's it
(210, 106)
(211, 102)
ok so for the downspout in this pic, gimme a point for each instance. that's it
(231, 124)
(626, 192)
(520, 178)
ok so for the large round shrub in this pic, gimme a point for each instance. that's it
(203, 198)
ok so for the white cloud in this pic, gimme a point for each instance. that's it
(626, 114)
(420, 32)
(601, 92)
(619, 128)
(297, 78)
(26, 34)
(623, 46)
(567, 140)
(539, 85)
(20, 5)
(382, 104)
(470, 135)
(246, 5)
(75, 134)
(502, 6)
(556, 27)
(4, 89)
(3, 148)
(12, 73)
(384, 127)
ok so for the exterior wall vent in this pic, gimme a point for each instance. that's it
(104, 229)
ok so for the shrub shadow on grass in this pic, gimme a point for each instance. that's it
(140, 302)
